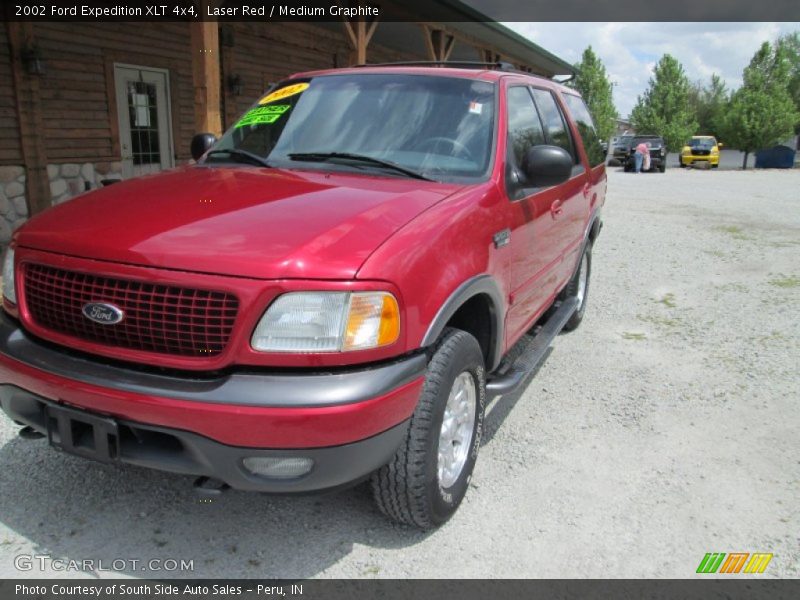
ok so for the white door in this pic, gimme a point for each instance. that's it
(144, 119)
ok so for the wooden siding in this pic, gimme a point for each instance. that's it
(78, 102)
(263, 53)
(10, 147)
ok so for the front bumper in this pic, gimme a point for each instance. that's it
(187, 453)
(349, 422)
(621, 156)
(655, 159)
(688, 159)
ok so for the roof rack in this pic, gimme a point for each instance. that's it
(456, 64)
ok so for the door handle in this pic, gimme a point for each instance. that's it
(556, 209)
(586, 190)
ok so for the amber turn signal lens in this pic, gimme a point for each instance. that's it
(390, 322)
(373, 320)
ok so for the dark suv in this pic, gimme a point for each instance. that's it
(334, 292)
(658, 152)
(622, 148)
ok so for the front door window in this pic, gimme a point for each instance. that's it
(143, 113)
(144, 120)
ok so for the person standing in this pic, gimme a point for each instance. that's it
(641, 156)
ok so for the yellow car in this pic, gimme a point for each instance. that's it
(701, 149)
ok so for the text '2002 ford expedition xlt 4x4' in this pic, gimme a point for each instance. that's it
(331, 293)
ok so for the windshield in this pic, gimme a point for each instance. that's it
(649, 141)
(437, 127)
(702, 143)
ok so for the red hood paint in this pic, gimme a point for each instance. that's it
(249, 222)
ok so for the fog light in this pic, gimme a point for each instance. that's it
(278, 468)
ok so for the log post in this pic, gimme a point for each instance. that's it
(359, 33)
(29, 114)
(438, 42)
(206, 73)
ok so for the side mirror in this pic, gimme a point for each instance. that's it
(201, 142)
(720, 144)
(546, 166)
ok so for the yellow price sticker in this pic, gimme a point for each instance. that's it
(284, 92)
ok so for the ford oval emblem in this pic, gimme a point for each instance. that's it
(103, 313)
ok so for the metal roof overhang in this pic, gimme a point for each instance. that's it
(472, 28)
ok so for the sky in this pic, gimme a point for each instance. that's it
(629, 51)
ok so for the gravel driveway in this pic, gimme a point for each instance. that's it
(666, 427)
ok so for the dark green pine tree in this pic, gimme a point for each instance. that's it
(665, 108)
(761, 113)
(593, 84)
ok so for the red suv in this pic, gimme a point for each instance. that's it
(331, 293)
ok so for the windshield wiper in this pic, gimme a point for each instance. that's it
(255, 158)
(362, 158)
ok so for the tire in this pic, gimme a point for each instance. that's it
(663, 167)
(414, 488)
(680, 162)
(573, 288)
(716, 166)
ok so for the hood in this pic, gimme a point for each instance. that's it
(249, 222)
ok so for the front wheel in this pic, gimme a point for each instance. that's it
(427, 478)
(578, 287)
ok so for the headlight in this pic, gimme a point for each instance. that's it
(9, 291)
(328, 322)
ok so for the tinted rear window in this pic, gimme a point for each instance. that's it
(585, 124)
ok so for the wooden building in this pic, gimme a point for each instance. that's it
(85, 102)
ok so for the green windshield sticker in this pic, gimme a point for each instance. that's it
(263, 115)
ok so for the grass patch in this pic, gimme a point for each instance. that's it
(661, 321)
(783, 244)
(633, 335)
(734, 286)
(776, 337)
(668, 300)
(785, 282)
(715, 253)
(734, 231)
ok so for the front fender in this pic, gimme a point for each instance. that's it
(480, 284)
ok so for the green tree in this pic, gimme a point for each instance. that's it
(593, 84)
(665, 109)
(695, 97)
(709, 102)
(761, 112)
(790, 45)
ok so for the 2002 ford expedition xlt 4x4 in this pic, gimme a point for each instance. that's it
(331, 293)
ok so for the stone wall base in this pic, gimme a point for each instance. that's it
(70, 179)
(13, 205)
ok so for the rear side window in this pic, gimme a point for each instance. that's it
(583, 119)
(554, 124)
(524, 130)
